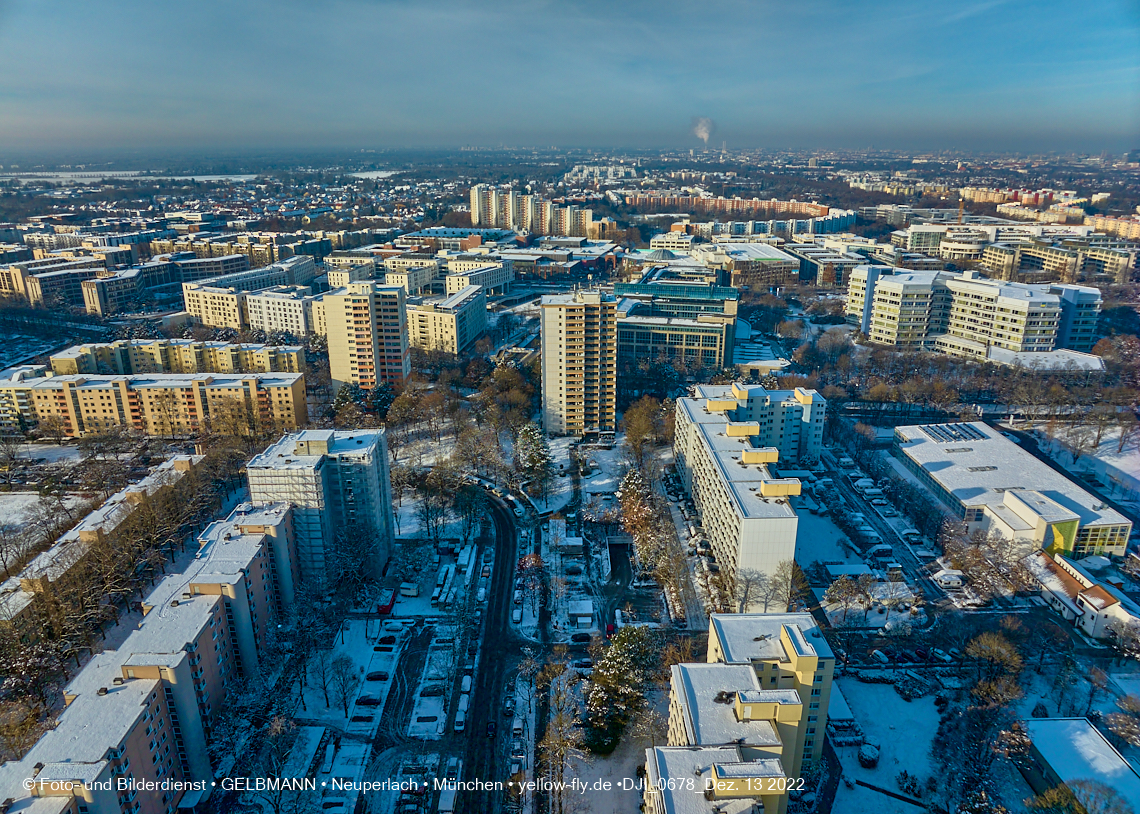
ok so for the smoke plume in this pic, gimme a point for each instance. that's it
(703, 128)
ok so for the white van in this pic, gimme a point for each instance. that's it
(516, 615)
(465, 685)
(461, 720)
(464, 702)
(517, 728)
(482, 597)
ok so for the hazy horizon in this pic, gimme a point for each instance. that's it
(124, 77)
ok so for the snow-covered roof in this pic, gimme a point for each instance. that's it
(706, 693)
(694, 767)
(748, 637)
(978, 465)
(1076, 750)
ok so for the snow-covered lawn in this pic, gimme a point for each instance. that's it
(619, 768)
(903, 731)
(52, 453)
(16, 508)
(820, 540)
(357, 640)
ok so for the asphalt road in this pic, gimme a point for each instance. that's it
(484, 758)
(916, 573)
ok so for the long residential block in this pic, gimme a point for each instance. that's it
(173, 405)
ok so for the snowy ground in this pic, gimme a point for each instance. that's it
(52, 453)
(620, 769)
(16, 508)
(820, 540)
(357, 640)
(903, 731)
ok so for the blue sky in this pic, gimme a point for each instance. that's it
(125, 75)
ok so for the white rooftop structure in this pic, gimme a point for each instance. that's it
(1076, 750)
(748, 637)
(706, 693)
(988, 478)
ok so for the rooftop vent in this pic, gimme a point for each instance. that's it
(117, 680)
(103, 691)
(174, 603)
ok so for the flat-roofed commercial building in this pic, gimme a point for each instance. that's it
(994, 485)
(750, 265)
(172, 405)
(579, 363)
(367, 329)
(698, 333)
(334, 480)
(451, 325)
(1074, 754)
(139, 356)
(723, 459)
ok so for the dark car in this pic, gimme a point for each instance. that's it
(378, 675)
(362, 719)
(429, 692)
(472, 648)
(368, 701)
(492, 728)
(922, 653)
(387, 640)
(580, 637)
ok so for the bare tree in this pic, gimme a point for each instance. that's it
(321, 669)
(789, 583)
(345, 680)
(749, 588)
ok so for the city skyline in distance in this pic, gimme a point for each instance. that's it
(124, 77)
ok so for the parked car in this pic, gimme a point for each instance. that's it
(880, 502)
(509, 706)
(584, 664)
(492, 728)
(580, 637)
(361, 719)
(431, 691)
(368, 701)
(377, 675)
(452, 769)
(516, 615)
(610, 629)
(387, 640)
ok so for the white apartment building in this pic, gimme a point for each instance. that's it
(414, 272)
(287, 308)
(451, 325)
(333, 479)
(366, 325)
(723, 460)
(673, 241)
(579, 363)
(343, 275)
(968, 315)
(495, 277)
